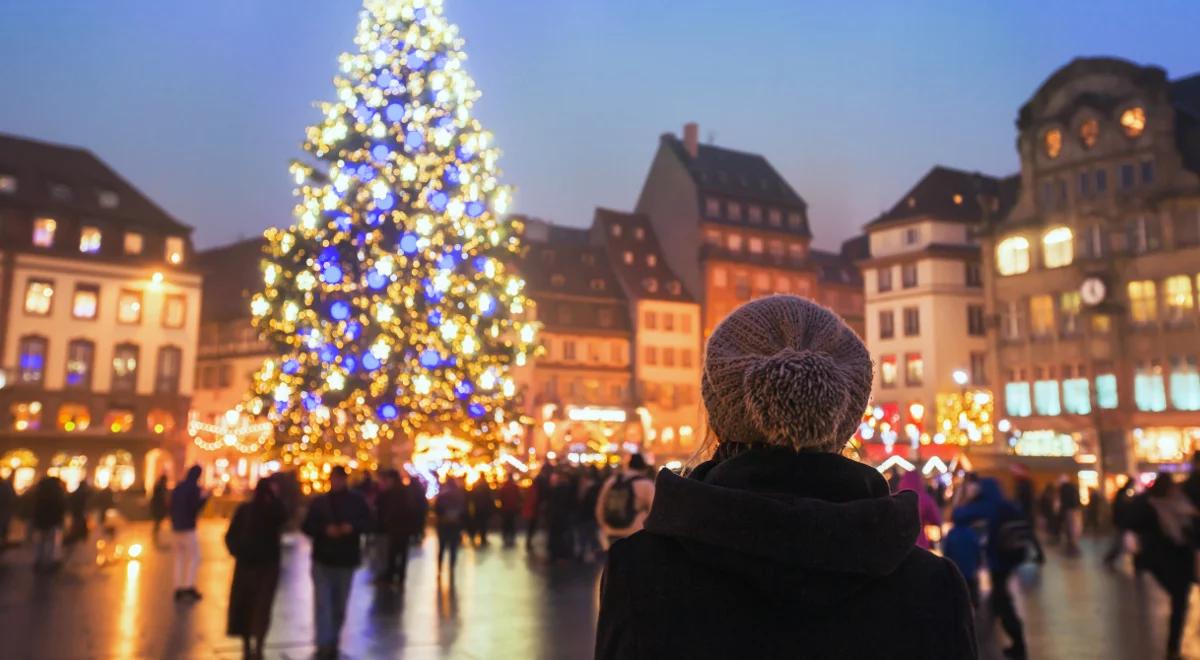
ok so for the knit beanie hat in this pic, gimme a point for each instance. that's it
(783, 370)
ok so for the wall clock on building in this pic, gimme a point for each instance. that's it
(1092, 291)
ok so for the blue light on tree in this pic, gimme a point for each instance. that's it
(414, 140)
(475, 209)
(388, 412)
(291, 367)
(376, 280)
(430, 358)
(370, 362)
(394, 112)
(332, 274)
(476, 410)
(408, 244)
(381, 152)
(339, 311)
(387, 202)
(438, 201)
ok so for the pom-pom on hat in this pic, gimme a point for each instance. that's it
(783, 370)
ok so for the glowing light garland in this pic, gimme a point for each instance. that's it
(392, 300)
(232, 431)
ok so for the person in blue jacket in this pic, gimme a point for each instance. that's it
(187, 500)
(962, 546)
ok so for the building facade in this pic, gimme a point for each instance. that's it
(925, 305)
(733, 229)
(98, 324)
(1092, 277)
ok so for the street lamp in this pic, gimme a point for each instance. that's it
(961, 377)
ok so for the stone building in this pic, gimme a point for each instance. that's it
(1092, 277)
(734, 229)
(98, 324)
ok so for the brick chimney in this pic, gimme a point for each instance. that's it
(691, 138)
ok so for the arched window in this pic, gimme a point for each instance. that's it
(1058, 247)
(1012, 256)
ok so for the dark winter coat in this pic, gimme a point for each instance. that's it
(1172, 563)
(49, 503)
(397, 512)
(186, 502)
(254, 531)
(773, 554)
(337, 507)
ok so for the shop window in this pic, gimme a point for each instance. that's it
(31, 360)
(1149, 389)
(1178, 302)
(129, 307)
(1012, 256)
(89, 240)
(118, 420)
(26, 415)
(1185, 384)
(39, 297)
(115, 470)
(1077, 396)
(74, 417)
(1106, 391)
(43, 232)
(1058, 247)
(1165, 445)
(914, 369)
(1046, 398)
(81, 354)
(887, 371)
(1041, 316)
(19, 467)
(1017, 400)
(160, 421)
(71, 469)
(1143, 302)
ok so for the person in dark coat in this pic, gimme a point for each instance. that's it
(1120, 519)
(1009, 539)
(186, 502)
(395, 508)
(158, 503)
(450, 508)
(335, 522)
(535, 503)
(77, 505)
(779, 547)
(420, 509)
(49, 510)
(8, 508)
(560, 514)
(483, 505)
(510, 509)
(1164, 520)
(253, 540)
(1069, 510)
(1191, 485)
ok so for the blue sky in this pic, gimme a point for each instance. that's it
(202, 104)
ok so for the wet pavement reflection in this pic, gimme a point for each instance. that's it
(501, 604)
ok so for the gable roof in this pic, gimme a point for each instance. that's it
(231, 276)
(38, 166)
(736, 174)
(952, 195)
(635, 234)
(834, 268)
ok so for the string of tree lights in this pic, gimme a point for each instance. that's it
(393, 301)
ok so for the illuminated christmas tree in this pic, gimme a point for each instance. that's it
(392, 301)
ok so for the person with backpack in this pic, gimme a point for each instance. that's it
(1009, 539)
(335, 522)
(450, 509)
(624, 502)
(253, 539)
(1165, 521)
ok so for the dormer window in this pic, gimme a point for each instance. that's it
(43, 232)
(60, 192)
(1133, 121)
(628, 258)
(174, 250)
(652, 260)
(1052, 143)
(1089, 132)
(754, 213)
(639, 233)
(775, 217)
(735, 211)
(675, 287)
(8, 184)
(597, 284)
(134, 242)
(89, 240)
(651, 284)
(795, 221)
(712, 207)
(107, 199)
(616, 230)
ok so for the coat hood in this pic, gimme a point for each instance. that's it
(811, 528)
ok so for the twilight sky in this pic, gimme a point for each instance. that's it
(202, 104)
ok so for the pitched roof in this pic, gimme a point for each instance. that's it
(648, 276)
(834, 268)
(571, 280)
(952, 195)
(736, 174)
(231, 276)
(39, 167)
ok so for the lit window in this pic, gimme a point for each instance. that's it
(639, 233)
(1143, 302)
(160, 421)
(31, 360)
(1041, 316)
(74, 417)
(796, 251)
(887, 371)
(1052, 142)
(43, 232)
(134, 242)
(27, 415)
(1185, 384)
(125, 368)
(107, 199)
(1077, 399)
(755, 244)
(1046, 399)
(712, 207)
(89, 240)
(734, 242)
(39, 297)
(1106, 391)
(118, 420)
(174, 250)
(795, 221)
(1058, 247)
(712, 237)
(1149, 389)
(129, 307)
(86, 302)
(720, 277)
(734, 211)
(914, 369)
(1089, 132)
(1012, 256)
(1017, 401)
(1177, 299)
(775, 217)
(651, 354)
(8, 184)
(1133, 121)
(80, 354)
(754, 214)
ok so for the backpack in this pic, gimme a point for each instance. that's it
(1013, 537)
(620, 504)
